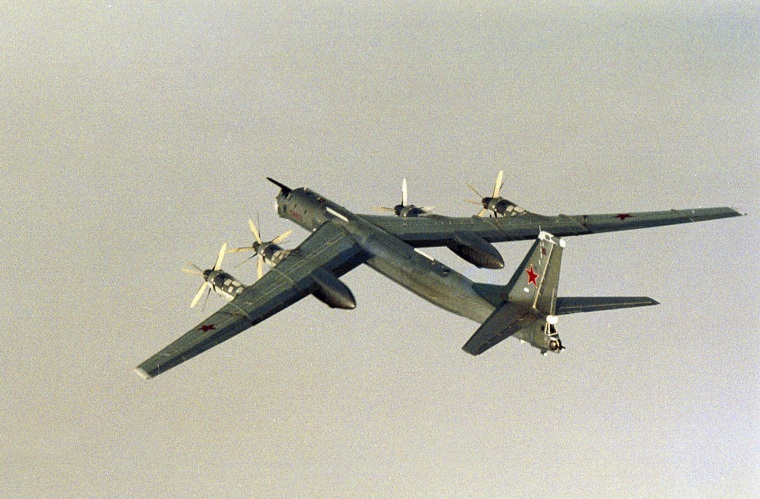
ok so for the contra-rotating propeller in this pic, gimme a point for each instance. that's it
(269, 251)
(496, 204)
(207, 275)
(405, 209)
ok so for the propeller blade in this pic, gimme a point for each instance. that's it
(247, 259)
(193, 270)
(220, 258)
(260, 267)
(384, 208)
(404, 193)
(475, 191)
(198, 295)
(240, 250)
(472, 201)
(206, 300)
(281, 237)
(497, 186)
(482, 212)
(428, 209)
(255, 231)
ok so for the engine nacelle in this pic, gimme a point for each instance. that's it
(224, 284)
(503, 207)
(476, 250)
(331, 291)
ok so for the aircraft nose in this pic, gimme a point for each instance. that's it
(280, 205)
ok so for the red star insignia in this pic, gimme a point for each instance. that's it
(623, 216)
(532, 276)
(207, 327)
(543, 251)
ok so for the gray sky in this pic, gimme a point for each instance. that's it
(136, 137)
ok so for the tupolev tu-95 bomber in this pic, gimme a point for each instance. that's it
(527, 307)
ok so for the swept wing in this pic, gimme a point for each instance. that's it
(328, 249)
(436, 230)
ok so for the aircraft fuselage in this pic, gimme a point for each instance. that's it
(390, 256)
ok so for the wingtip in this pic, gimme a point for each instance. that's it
(140, 372)
(730, 211)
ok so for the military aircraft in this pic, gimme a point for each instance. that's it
(527, 307)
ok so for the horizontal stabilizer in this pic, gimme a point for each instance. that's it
(576, 304)
(503, 323)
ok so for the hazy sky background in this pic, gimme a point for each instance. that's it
(136, 136)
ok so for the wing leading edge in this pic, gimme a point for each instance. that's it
(328, 249)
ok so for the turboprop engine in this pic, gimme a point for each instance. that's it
(267, 251)
(329, 289)
(221, 282)
(406, 210)
(497, 205)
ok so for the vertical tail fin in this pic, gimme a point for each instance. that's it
(528, 301)
(527, 307)
(535, 282)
